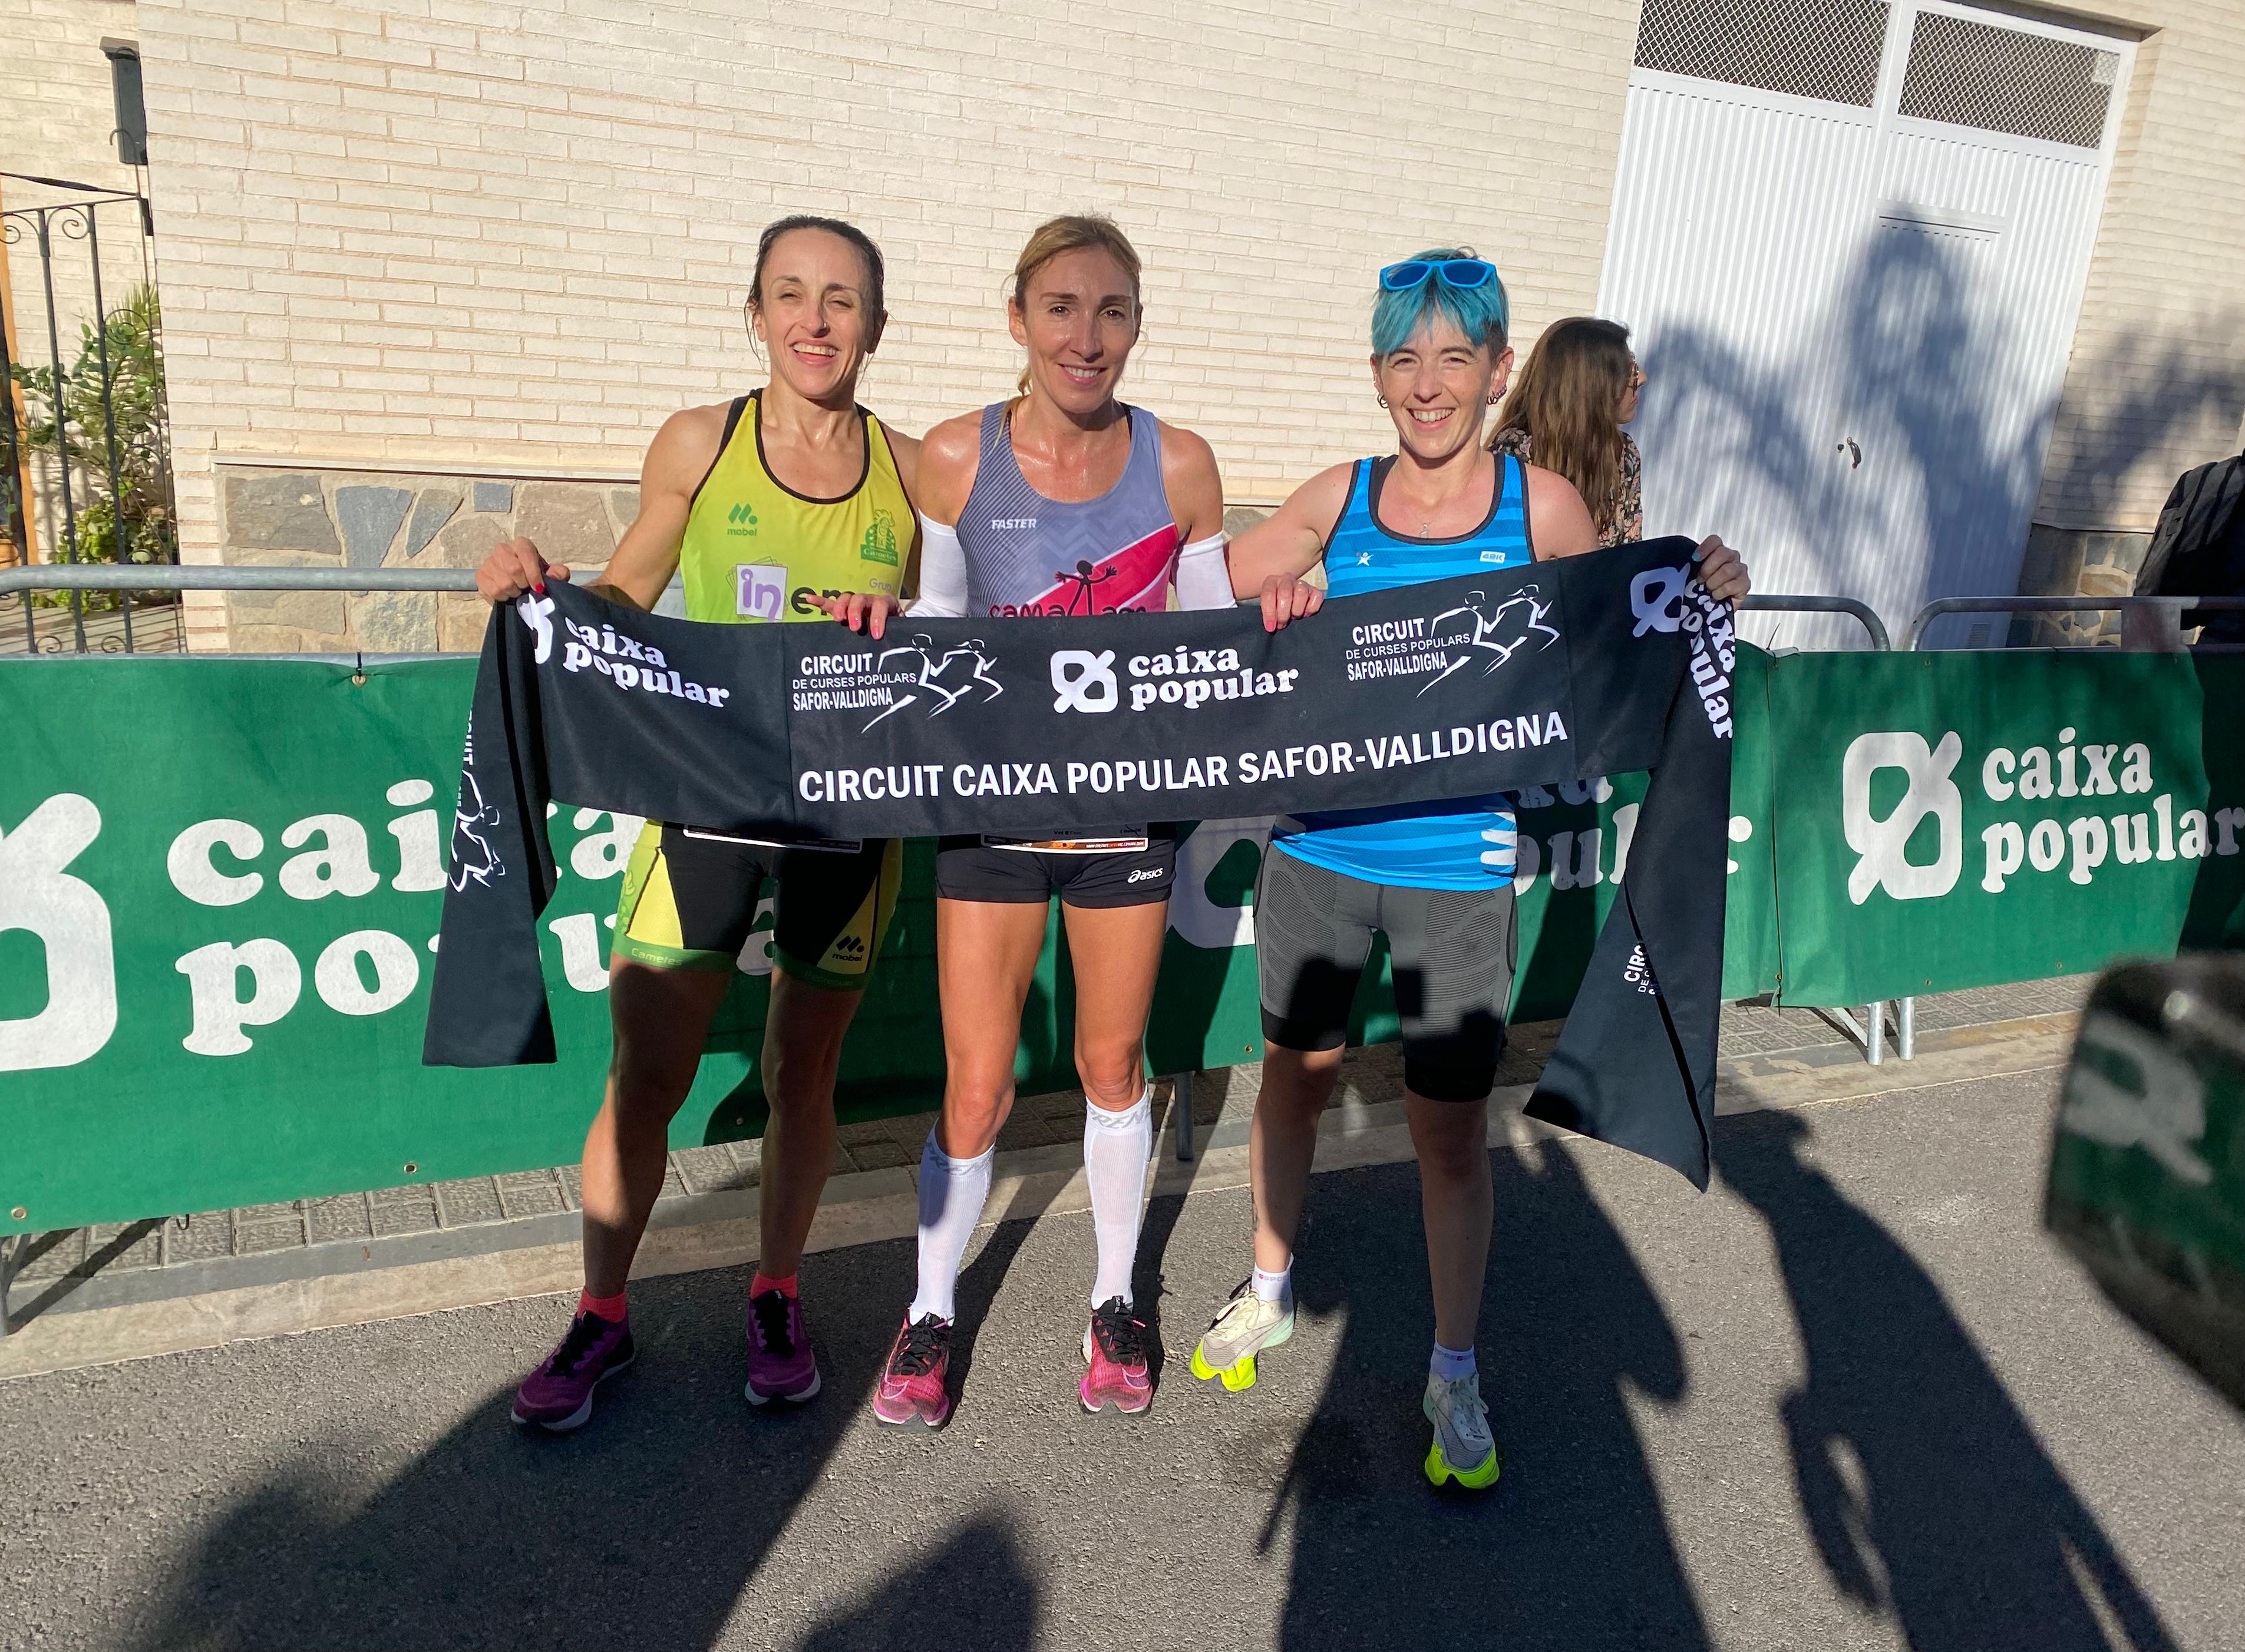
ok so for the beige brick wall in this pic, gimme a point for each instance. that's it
(2156, 383)
(452, 232)
(55, 122)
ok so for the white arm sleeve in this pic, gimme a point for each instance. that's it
(942, 573)
(1203, 579)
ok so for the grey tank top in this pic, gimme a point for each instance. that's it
(1026, 554)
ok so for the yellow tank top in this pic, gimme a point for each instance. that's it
(755, 550)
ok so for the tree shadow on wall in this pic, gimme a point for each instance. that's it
(1929, 1496)
(1571, 1549)
(1739, 430)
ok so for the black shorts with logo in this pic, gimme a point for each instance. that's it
(1452, 952)
(972, 869)
(690, 902)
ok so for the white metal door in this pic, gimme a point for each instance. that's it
(1850, 239)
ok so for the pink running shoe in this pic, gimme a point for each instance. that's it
(780, 1362)
(911, 1389)
(558, 1396)
(1115, 1349)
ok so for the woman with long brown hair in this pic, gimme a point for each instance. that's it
(1566, 413)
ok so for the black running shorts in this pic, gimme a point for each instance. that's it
(968, 869)
(690, 903)
(1452, 952)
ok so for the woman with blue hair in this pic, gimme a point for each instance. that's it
(1435, 878)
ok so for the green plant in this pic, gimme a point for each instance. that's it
(124, 516)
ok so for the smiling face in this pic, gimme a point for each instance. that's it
(1078, 320)
(813, 317)
(1438, 388)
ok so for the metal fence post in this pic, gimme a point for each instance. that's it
(1181, 1107)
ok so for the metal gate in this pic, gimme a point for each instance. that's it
(85, 471)
(1851, 238)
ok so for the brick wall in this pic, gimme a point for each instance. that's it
(2158, 371)
(451, 231)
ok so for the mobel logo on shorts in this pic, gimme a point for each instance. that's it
(1191, 677)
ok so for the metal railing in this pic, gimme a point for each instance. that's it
(1862, 611)
(2166, 636)
(50, 576)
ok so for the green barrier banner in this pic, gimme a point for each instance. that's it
(220, 879)
(1959, 820)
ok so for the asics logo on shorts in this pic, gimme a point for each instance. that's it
(1145, 874)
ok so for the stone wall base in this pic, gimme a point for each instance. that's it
(283, 517)
(2076, 562)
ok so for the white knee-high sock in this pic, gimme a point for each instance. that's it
(951, 1193)
(1116, 1147)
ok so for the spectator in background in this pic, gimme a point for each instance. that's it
(1565, 413)
(2199, 549)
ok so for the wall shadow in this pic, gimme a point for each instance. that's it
(1739, 430)
(1929, 1496)
(1571, 1549)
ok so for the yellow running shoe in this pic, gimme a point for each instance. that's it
(1463, 1450)
(1246, 1326)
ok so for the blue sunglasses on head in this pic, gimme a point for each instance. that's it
(1455, 272)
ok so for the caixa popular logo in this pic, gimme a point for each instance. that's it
(1882, 842)
(623, 659)
(1191, 677)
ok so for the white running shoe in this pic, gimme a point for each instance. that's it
(1245, 1328)
(1464, 1449)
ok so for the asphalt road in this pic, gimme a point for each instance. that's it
(1849, 1398)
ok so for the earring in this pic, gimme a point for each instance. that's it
(1383, 400)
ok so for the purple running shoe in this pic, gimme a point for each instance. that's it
(558, 1396)
(780, 1362)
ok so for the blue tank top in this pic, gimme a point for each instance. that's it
(1465, 844)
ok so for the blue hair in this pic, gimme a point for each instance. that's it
(1482, 313)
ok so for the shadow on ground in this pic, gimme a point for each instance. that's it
(1930, 1498)
(1572, 1548)
(642, 1530)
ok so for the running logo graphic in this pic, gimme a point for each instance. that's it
(1492, 638)
(1080, 584)
(949, 676)
(474, 860)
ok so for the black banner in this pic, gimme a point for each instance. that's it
(1037, 727)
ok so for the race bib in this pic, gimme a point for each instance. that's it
(760, 591)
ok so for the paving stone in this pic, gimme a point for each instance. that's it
(203, 1237)
(341, 1218)
(50, 1256)
(370, 517)
(431, 511)
(121, 1245)
(279, 511)
(254, 1238)
(708, 1170)
(471, 1199)
(532, 1193)
(404, 1210)
(884, 1155)
(495, 496)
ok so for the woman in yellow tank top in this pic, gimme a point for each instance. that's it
(791, 492)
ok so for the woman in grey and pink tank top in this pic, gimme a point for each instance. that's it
(1062, 501)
